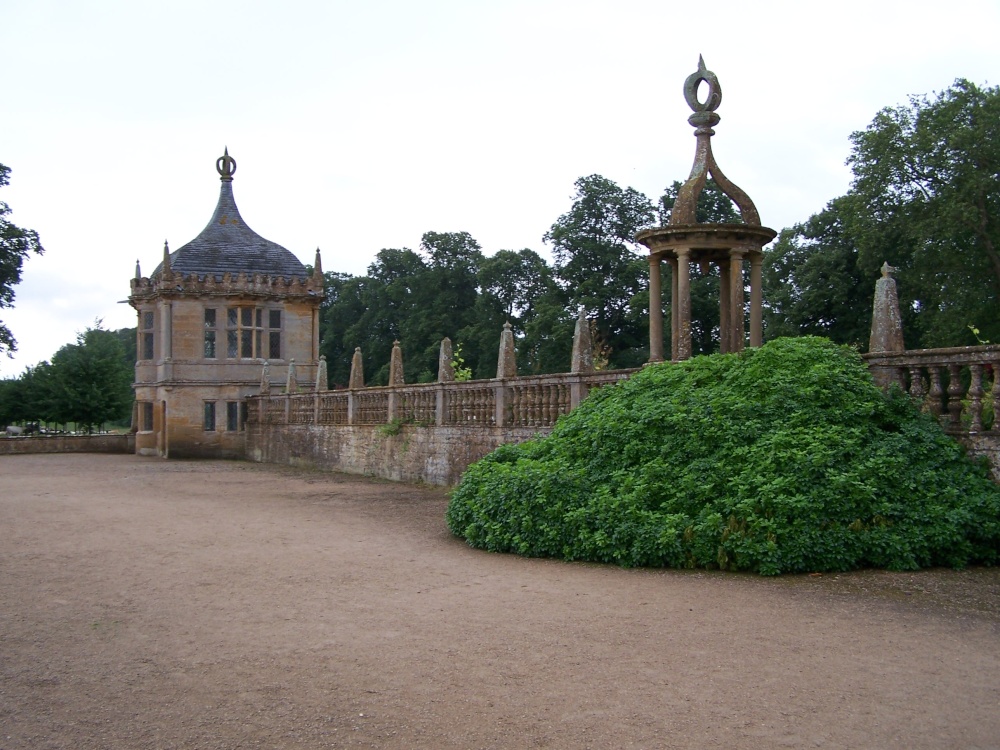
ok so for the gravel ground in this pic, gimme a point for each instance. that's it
(152, 604)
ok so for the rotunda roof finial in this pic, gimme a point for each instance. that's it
(704, 116)
(225, 165)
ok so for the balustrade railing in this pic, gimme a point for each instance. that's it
(533, 401)
(959, 386)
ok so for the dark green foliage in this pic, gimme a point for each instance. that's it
(781, 459)
(15, 245)
(89, 382)
(599, 264)
(926, 198)
(813, 285)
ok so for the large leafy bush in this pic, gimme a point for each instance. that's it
(785, 458)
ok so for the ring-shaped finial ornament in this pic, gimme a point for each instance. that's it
(714, 98)
(225, 165)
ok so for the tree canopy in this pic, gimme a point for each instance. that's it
(88, 382)
(15, 245)
(925, 197)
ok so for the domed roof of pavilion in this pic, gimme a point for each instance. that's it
(228, 245)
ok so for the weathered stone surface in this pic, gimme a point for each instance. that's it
(396, 365)
(357, 379)
(887, 326)
(435, 455)
(507, 361)
(446, 369)
(321, 377)
(68, 444)
(583, 348)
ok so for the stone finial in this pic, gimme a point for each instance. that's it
(583, 348)
(887, 270)
(138, 271)
(703, 119)
(396, 365)
(446, 367)
(265, 379)
(318, 264)
(321, 384)
(506, 362)
(291, 384)
(225, 165)
(165, 271)
(357, 379)
(887, 326)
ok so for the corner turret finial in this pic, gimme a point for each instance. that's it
(225, 165)
(138, 271)
(318, 265)
(166, 273)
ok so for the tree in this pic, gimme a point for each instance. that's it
(926, 198)
(90, 382)
(598, 263)
(511, 287)
(342, 306)
(15, 245)
(813, 284)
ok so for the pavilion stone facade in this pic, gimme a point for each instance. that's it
(208, 317)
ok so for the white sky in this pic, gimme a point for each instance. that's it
(359, 125)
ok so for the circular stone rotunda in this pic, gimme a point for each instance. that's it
(684, 241)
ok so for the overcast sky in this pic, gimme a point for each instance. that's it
(361, 125)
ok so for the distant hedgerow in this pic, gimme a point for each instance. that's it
(781, 459)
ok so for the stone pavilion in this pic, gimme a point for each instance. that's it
(209, 316)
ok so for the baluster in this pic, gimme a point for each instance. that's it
(995, 366)
(933, 403)
(483, 406)
(996, 398)
(553, 403)
(975, 398)
(544, 398)
(954, 395)
(535, 407)
(564, 399)
(917, 389)
(515, 406)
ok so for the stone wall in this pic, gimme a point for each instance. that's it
(400, 452)
(68, 444)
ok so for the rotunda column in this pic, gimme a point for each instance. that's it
(684, 303)
(674, 307)
(756, 296)
(736, 300)
(655, 311)
(725, 336)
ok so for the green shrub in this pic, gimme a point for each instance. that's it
(785, 458)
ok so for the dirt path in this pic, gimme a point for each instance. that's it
(151, 604)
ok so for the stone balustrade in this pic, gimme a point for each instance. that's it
(533, 401)
(958, 385)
